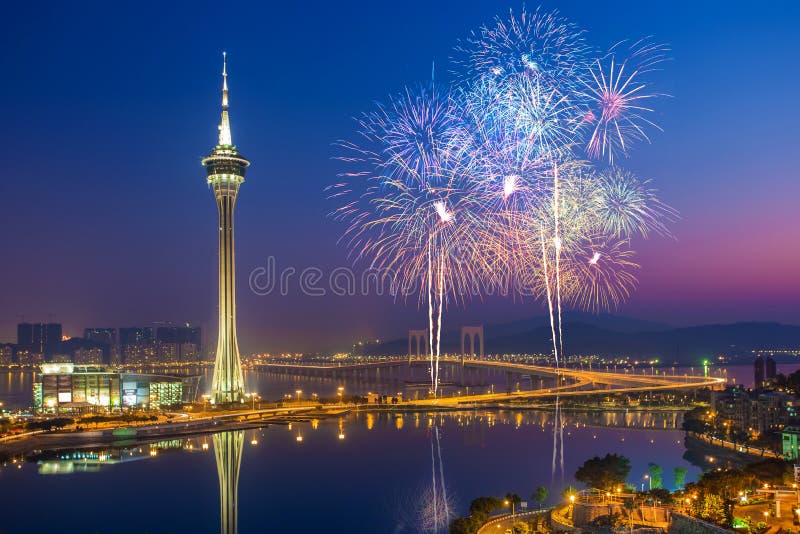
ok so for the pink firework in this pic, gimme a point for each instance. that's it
(618, 96)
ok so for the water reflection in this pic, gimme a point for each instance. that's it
(436, 515)
(393, 458)
(228, 453)
(558, 440)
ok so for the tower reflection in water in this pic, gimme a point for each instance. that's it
(228, 453)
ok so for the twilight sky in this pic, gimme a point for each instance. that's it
(109, 108)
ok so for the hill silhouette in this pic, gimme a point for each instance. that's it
(609, 335)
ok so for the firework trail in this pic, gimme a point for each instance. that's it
(412, 217)
(476, 188)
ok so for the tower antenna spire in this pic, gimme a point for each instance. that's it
(225, 125)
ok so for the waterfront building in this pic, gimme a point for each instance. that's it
(140, 354)
(6, 354)
(137, 345)
(225, 170)
(755, 412)
(86, 356)
(178, 343)
(39, 338)
(72, 388)
(107, 338)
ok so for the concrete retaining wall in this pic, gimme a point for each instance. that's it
(682, 524)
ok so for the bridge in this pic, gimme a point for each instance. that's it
(567, 382)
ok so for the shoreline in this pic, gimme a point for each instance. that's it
(126, 434)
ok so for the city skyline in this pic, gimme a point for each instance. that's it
(95, 247)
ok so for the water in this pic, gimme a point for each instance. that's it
(380, 478)
(377, 479)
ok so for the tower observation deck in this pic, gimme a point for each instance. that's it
(225, 168)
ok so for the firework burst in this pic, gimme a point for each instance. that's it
(619, 96)
(414, 217)
(455, 193)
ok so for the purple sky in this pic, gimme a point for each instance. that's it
(108, 111)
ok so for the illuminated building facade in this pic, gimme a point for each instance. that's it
(70, 388)
(225, 169)
(6, 354)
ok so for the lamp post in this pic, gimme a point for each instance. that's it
(299, 392)
(340, 392)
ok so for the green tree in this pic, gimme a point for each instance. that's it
(711, 507)
(521, 527)
(770, 471)
(540, 495)
(655, 475)
(513, 501)
(604, 473)
(485, 505)
(679, 475)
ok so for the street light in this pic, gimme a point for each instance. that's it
(340, 392)
(298, 392)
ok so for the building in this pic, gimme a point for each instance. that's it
(137, 345)
(790, 436)
(225, 170)
(178, 343)
(754, 412)
(26, 357)
(72, 388)
(770, 370)
(6, 354)
(758, 372)
(107, 338)
(88, 356)
(39, 338)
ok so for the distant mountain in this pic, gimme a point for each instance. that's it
(610, 335)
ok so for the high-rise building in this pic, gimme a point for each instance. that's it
(770, 369)
(6, 354)
(105, 337)
(137, 345)
(225, 169)
(39, 338)
(178, 343)
(758, 371)
(89, 356)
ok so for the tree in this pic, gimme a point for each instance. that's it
(655, 475)
(679, 475)
(604, 473)
(711, 507)
(485, 505)
(521, 527)
(512, 501)
(461, 525)
(770, 471)
(540, 495)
